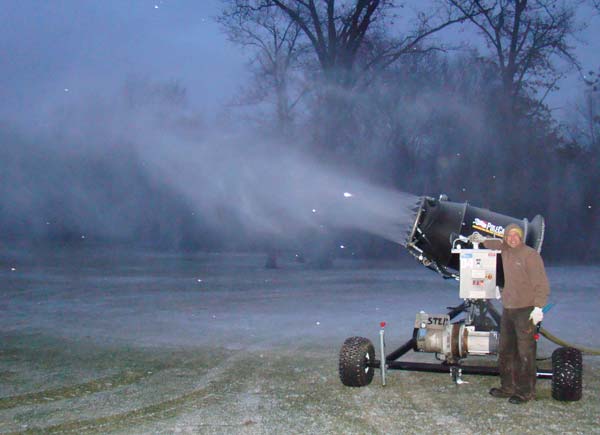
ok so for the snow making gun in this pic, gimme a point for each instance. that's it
(440, 223)
(443, 239)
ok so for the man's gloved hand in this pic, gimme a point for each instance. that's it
(476, 238)
(537, 315)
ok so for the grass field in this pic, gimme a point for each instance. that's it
(161, 344)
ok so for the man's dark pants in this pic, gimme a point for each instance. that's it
(517, 351)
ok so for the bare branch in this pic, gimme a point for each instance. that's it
(275, 38)
(527, 37)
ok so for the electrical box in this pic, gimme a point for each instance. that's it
(477, 273)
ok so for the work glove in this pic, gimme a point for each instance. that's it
(537, 315)
(476, 238)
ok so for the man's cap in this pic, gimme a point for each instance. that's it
(513, 227)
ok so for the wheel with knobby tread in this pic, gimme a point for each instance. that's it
(356, 355)
(567, 369)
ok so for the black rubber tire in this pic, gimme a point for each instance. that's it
(567, 371)
(355, 354)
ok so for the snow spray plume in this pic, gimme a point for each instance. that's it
(111, 172)
(136, 167)
(273, 190)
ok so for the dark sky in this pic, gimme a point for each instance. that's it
(60, 49)
(57, 50)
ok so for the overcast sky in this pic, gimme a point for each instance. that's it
(55, 50)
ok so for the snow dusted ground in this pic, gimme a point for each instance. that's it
(99, 341)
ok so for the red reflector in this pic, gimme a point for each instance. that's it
(536, 336)
(382, 324)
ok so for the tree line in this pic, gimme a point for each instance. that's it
(377, 87)
(374, 87)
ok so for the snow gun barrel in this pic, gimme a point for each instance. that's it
(438, 222)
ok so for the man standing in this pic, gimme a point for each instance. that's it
(525, 292)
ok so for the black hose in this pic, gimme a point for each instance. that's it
(560, 342)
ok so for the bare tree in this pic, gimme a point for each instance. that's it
(346, 43)
(526, 38)
(334, 32)
(342, 33)
(584, 129)
(274, 41)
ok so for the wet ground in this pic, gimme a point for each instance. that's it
(100, 341)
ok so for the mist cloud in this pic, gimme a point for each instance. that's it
(109, 168)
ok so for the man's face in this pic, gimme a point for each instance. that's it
(513, 239)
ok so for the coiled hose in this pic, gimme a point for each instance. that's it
(555, 339)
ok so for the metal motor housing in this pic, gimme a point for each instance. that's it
(435, 334)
